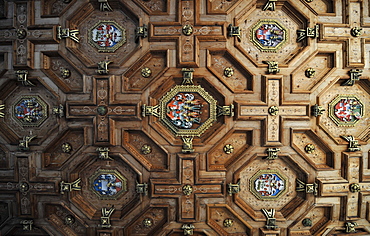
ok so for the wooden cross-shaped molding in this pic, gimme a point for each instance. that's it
(272, 110)
(188, 188)
(187, 32)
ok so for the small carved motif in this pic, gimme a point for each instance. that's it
(307, 222)
(23, 187)
(67, 33)
(268, 35)
(147, 222)
(273, 110)
(69, 220)
(228, 148)
(228, 223)
(188, 229)
(270, 5)
(58, 110)
(317, 110)
(103, 67)
(21, 33)
(27, 225)
(353, 145)
(142, 188)
(187, 189)
(68, 187)
(354, 76)
(23, 144)
(2, 114)
(187, 30)
(234, 31)
(187, 145)
(104, 5)
(225, 110)
(22, 77)
(346, 110)
(310, 72)
(65, 72)
(271, 220)
(102, 110)
(268, 184)
(350, 227)
(355, 188)
(273, 67)
(310, 148)
(233, 188)
(105, 218)
(146, 72)
(141, 32)
(187, 76)
(356, 31)
(228, 72)
(107, 36)
(309, 0)
(272, 153)
(146, 149)
(66, 147)
(150, 110)
(108, 184)
(308, 32)
(104, 153)
(308, 188)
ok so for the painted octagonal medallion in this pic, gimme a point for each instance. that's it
(108, 184)
(268, 184)
(346, 110)
(107, 36)
(268, 35)
(30, 111)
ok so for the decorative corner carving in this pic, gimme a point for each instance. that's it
(103, 67)
(270, 5)
(22, 77)
(58, 111)
(353, 145)
(355, 188)
(104, 5)
(23, 144)
(68, 187)
(272, 153)
(104, 153)
(187, 76)
(308, 32)
(354, 76)
(317, 110)
(142, 188)
(2, 107)
(356, 31)
(273, 67)
(234, 31)
(141, 32)
(188, 229)
(150, 110)
(271, 220)
(308, 188)
(233, 188)
(105, 218)
(187, 146)
(225, 110)
(67, 33)
(27, 225)
(350, 227)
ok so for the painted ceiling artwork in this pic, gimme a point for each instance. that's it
(269, 35)
(346, 110)
(30, 111)
(108, 184)
(107, 36)
(266, 184)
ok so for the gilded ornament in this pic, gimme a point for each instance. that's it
(270, 5)
(66, 147)
(24, 144)
(234, 31)
(187, 145)
(67, 33)
(146, 72)
(21, 33)
(68, 187)
(310, 148)
(105, 218)
(103, 153)
(2, 114)
(146, 149)
(65, 72)
(225, 110)
(271, 220)
(354, 75)
(103, 67)
(187, 189)
(69, 219)
(233, 188)
(353, 145)
(307, 222)
(187, 76)
(104, 5)
(228, 223)
(22, 77)
(228, 71)
(273, 110)
(304, 187)
(356, 31)
(272, 67)
(187, 30)
(58, 110)
(350, 227)
(23, 187)
(317, 110)
(147, 222)
(141, 32)
(310, 72)
(272, 153)
(142, 188)
(228, 149)
(355, 188)
(102, 110)
(27, 225)
(188, 229)
(308, 32)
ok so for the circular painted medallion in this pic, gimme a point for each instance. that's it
(346, 110)
(30, 111)
(266, 184)
(268, 35)
(107, 36)
(108, 184)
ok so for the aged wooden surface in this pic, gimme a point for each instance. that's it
(87, 150)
